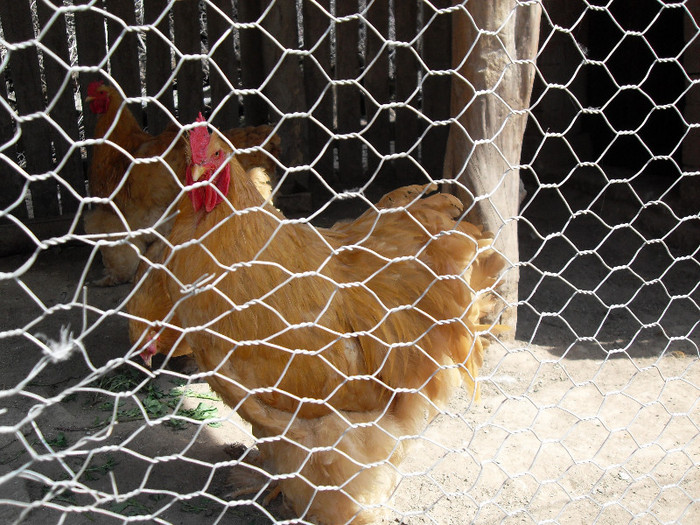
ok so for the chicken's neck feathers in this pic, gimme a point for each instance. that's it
(245, 218)
(126, 132)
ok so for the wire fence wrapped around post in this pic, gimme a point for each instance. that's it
(261, 261)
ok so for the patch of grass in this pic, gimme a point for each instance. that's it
(155, 407)
(176, 424)
(211, 396)
(94, 473)
(156, 402)
(65, 496)
(68, 497)
(131, 507)
(201, 413)
(131, 414)
(60, 441)
(195, 506)
(121, 381)
(154, 391)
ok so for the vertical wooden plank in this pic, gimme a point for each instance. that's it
(223, 66)
(91, 46)
(348, 96)
(252, 68)
(11, 180)
(408, 124)
(319, 96)
(286, 90)
(60, 92)
(378, 83)
(23, 64)
(123, 50)
(190, 75)
(158, 64)
(437, 43)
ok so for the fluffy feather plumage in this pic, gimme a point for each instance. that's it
(154, 323)
(332, 343)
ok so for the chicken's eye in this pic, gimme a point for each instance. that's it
(217, 154)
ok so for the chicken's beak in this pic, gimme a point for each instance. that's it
(147, 359)
(89, 99)
(151, 349)
(197, 172)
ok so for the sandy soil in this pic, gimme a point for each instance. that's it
(591, 415)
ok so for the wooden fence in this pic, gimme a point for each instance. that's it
(348, 83)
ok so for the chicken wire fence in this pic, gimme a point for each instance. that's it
(589, 415)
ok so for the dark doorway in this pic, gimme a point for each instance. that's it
(637, 84)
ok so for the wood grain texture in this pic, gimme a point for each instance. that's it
(493, 49)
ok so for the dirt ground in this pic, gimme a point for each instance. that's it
(591, 415)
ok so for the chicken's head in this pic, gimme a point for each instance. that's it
(98, 97)
(209, 162)
(151, 350)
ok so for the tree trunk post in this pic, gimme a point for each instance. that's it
(494, 45)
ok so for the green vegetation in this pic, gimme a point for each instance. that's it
(154, 401)
(127, 395)
(131, 507)
(96, 472)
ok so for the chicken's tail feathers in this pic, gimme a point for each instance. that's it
(483, 277)
(465, 249)
(405, 195)
(457, 248)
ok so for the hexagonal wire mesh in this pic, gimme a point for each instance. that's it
(328, 349)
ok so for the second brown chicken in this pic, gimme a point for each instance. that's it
(141, 175)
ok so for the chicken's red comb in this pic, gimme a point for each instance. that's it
(92, 88)
(199, 140)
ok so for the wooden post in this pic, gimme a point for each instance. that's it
(494, 44)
